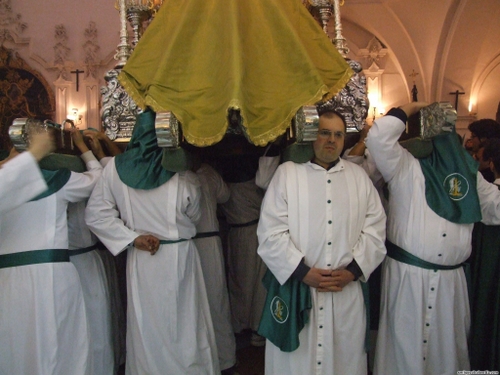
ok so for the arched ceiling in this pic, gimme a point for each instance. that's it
(452, 44)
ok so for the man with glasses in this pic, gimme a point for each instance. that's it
(322, 223)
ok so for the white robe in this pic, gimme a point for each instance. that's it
(117, 296)
(265, 172)
(43, 324)
(169, 327)
(214, 191)
(245, 268)
(20, 181)
(95, 290)
(425, 317)
(329, 218)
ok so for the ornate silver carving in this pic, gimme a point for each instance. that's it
(119, 111)
(136, 15)
(167, 130)
(352, 101)
(22, 129)
(323, 10)
(123, 50)
(437, 118)
(339, 40)
(305, 124)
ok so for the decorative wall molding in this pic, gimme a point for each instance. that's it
(91, 48)
(61, 52)
(374, 53)
(11, 26)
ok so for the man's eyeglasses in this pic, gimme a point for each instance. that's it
(324, 133)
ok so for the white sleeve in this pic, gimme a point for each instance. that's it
(276, 248)
(103, 218)
(80, 185)
(369, 250)
(489, 199)
(190, 197)
(265, 172)
(382, 142)
(20, 181)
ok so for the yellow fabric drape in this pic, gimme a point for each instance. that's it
(198, 58)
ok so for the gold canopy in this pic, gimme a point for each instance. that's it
(267, 58)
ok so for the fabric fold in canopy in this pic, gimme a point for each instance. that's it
(199, 58)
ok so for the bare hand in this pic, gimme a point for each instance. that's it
(316, 277)
(147, 242)
(340, 278)
(41, 144)
(413, 107)
(95, 145)
(364, 132)
(77, 137)
(94, 133)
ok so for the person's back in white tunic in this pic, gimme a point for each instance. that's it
(425, 317)
(169, 327)
(43, 324)
(214, 191)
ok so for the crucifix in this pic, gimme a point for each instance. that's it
(456, 93)
(414, 90)
(77, 72)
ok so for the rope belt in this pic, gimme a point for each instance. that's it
(82, 250)
(206, 234)
(397, 253)
(253, 222)
(25, 258)
(168, 242)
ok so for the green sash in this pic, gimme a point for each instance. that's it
(55, 180)
(285, 311)
(169, 242)
(139, 167)
(34, 257)
(83, 250)
(403, 256)
(451, 181)
(206, 235)
(54, 162)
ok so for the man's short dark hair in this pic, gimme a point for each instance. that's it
(485, 128)
(330, 113)
(492, 152)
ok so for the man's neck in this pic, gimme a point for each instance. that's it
(326, 166)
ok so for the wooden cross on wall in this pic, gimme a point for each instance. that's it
(77, 72)
(456, 93)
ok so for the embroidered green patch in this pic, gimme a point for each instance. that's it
(457, 186)
(279, 310)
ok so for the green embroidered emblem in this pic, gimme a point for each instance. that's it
(457, 186)
(279, 310)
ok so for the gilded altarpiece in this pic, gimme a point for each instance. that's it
(23, 93)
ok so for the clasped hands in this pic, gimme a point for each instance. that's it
(147, 242)
(326, 280)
